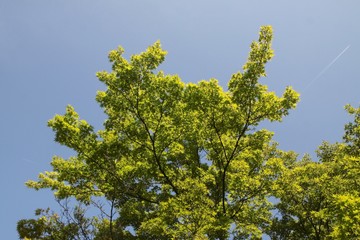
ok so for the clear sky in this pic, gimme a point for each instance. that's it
(50, 51)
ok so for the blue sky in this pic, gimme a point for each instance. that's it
(50, 51)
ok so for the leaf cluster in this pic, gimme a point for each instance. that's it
(180, 160)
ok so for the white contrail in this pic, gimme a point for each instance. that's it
(327, 67)
(29, 161)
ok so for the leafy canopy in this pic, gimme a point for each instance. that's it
(175, 160)
(321, 199)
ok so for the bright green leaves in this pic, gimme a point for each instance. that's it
(254, 68)
(50, 226)
(347, 210)
(72, 132)
(188, 216)
(175, 160)
(253, 97)
(320, 200)
(245, 86)
(69, 178)
(150, 59)
(352, 131)
(127, 74)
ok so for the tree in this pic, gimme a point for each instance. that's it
(321, 200)
(174, 160)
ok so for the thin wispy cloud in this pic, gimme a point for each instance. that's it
(29, 161)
